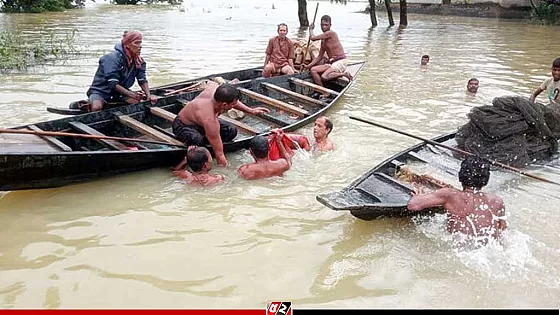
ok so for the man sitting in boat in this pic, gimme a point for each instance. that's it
(198, 121)
(471, 212)
(199, 161)
(279, 54)
(263, 166)
(117, 72)
(335, 67)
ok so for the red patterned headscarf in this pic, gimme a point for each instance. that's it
(128, 38)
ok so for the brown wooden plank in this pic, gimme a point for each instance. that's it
(274, 102)
(147, 130)
(293, 94)
(160, 112)
(52, 140)
(240, 125)
(87, 129)
(313, 86)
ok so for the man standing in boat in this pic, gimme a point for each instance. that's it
(470, 211)
(335, 66)
(263, 166)
(198, 121)
(279, 54)
(117, 72)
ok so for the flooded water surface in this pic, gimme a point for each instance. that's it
(147, 240)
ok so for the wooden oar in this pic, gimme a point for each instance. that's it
(309, 40)
(511, 168)
(80, 135)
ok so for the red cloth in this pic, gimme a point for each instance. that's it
(129, 38)
(273, 150)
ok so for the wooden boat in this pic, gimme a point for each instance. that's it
(30, 162)
(384, 190)
(79, 107)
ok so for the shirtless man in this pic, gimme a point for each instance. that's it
(199, 119)
(472, 85)
(470, 211)
(321, 130)
(263, 167)
(279, 54)
(199, 161)
(330, 44)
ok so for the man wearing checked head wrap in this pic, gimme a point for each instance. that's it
(117, 72)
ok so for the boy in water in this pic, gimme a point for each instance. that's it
(551, 85)
(199, 161)
(470, 211)
(264, 167)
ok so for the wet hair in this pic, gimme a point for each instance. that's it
(226, 93)
(196, 158)
(475, 172)
(282, 24)
(425, 56)
(326, 18)
(328, 124)
(471, 80)
(259, 146)
(556, 63)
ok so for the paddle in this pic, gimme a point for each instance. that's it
(309, 40)
(79, 135)
(188, 88)
(457, 150)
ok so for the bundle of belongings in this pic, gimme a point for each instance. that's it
(303, 55)
(513, 130)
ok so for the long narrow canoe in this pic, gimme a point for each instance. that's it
(32, 162)
(384, 190)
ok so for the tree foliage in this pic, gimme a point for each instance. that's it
(172, 2)
(38, 6)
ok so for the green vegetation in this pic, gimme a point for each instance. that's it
(38, 6)
(546, 11)
(19, 53)
(172, 2)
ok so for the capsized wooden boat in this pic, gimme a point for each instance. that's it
(30, 162)
(384, 190)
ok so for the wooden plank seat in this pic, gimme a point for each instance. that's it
(313, 86)
(51, 140)
(293, 94)
(87, 129)
(146, 130)
(274, 102)
(169, 116)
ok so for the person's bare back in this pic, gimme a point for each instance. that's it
(197, 111)
(474, 213)
(263, 169)
(200, 179)
(470, 211)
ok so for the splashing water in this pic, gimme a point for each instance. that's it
(512, 258)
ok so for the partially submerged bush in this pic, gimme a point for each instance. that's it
(38, 6)
(17, 53)
(546, 11)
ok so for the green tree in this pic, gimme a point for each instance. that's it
(37, 6)
(172, 2)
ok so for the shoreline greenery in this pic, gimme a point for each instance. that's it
(39, 6)
(20, 53)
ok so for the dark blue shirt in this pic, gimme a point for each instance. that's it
(113, 69)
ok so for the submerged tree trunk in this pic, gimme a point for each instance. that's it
(372, 15)
(403, 19)
(389, 12)
(302, 13)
